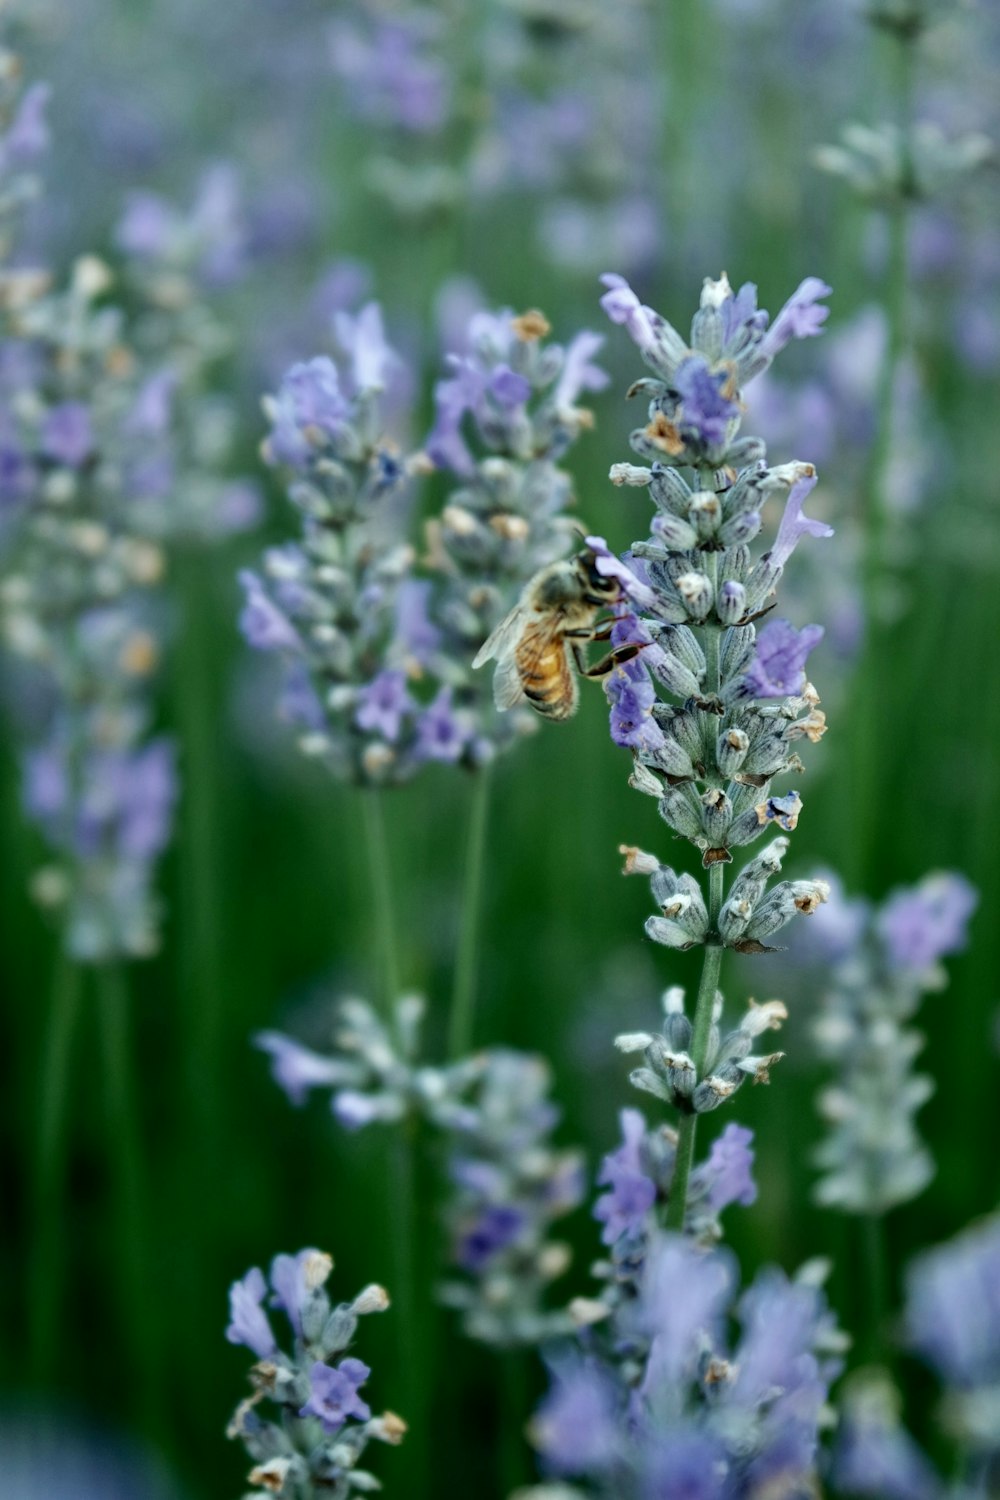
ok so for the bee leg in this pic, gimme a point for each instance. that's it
(607, 663)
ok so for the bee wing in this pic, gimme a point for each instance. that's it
(501, 641)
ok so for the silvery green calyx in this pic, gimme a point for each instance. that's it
(508, 1183)
(506, 416)
(880, 964)
(712, 707)
(339, 605)
(321, 1425)
(668, 1069)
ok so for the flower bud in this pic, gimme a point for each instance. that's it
(731, 750)
(705, 514)
(731, 602)
(697, 594)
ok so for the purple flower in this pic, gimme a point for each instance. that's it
(508, 388)
(239, 507)
(354, 1109)
(781, 1321)
(147, 226)
(441, 735)
(623, 306)
(705, 406)
(801, 317)
(632, 1194)
(445, 445)
(610, 565)
(921, 925)
(875, 1456)
(297, 1069)
(576, 1428)
(309, 402)
(334, 1396)
(248, 1323)
(684, 1294)
(67, 434)
(28, 135)
(152, 409)
(415, 631)
(778, 667)
(685, 1465)
(496, 1227)
(740, 314)
(262, 622)
(363, 339)
(146, 785)
(953, 1306)
(17, 473)
(794, 524)
(630, 692)
(382, 704)
(292, 1285)
(726, 1175)
(578, 374)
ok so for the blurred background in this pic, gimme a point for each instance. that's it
(442, 158)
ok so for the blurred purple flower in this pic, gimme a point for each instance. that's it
(291, 1286)
(67, 434)
(686, 1464)
(610, 565)
(684, 1294)
(261, 621)
(953, 1306)
(778, 667)
(309, 400)
(334, 1396)
(248, 1324)
(362, 338)
(496, 1227)
(801, 317)
(578, 373)
(383, 703)
(727, 1174)
(28, 134)
(924, 923)
(441, 735)
(146, 226)
(623, 306)
(576, 1428)
(632, 1194)
(297, 1069)
(876, 1458)
(152, 410)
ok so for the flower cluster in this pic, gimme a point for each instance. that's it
(324, 1423)
(638, 1175)
(505, 417)
(76, 604)
(508, 1182)
(339, 605)
(656, 1400)
(881, 962)
(953, 1321)
(737, 703)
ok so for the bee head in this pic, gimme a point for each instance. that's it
(599, 589)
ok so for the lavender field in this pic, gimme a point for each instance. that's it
(453, 456)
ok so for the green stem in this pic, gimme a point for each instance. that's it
(687, 1128)
(463, 996)
(197, 713)
(514, 1470)
(48, 1261)
(386, 962)
(134, 1282)
(876, 1269)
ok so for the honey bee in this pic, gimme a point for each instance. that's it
(555, 615)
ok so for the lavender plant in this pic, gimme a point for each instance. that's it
(322, 1425)
(490, 1114)
(658, 1398)
(882, 963)
(691, 596)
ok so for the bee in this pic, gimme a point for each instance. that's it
(555, 615)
